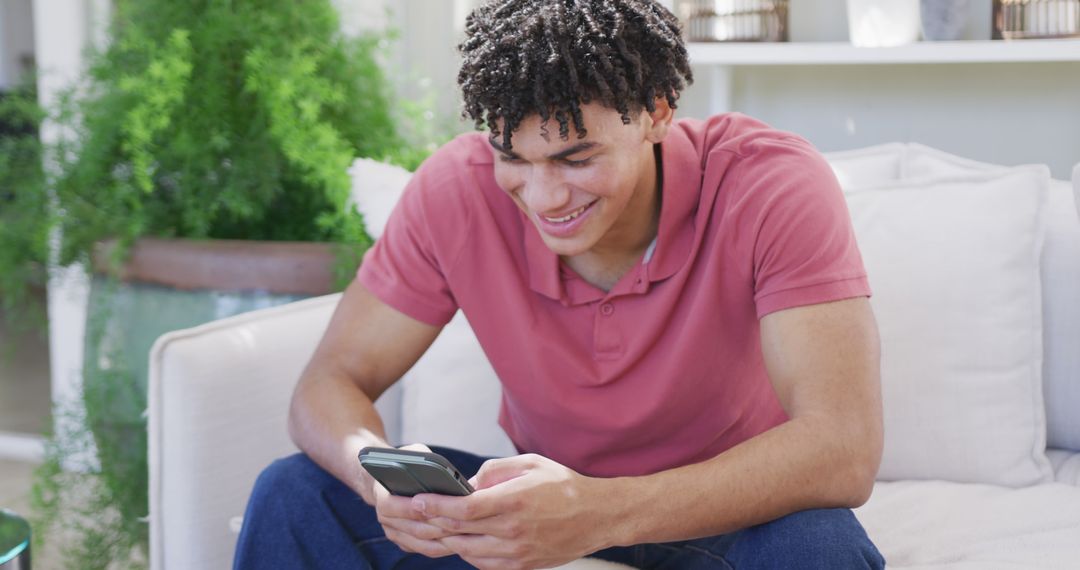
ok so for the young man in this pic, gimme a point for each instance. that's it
(677, 311)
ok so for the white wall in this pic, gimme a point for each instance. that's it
(16, 40)
(1000, 113)
(1011, 113)
(362, 15)
(62, 31)
(826, 20)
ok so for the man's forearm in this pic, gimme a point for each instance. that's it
(799, 465)
(330, 420)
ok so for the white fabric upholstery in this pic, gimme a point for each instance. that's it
(1076, 186)
(1060, 273)
(451, 396)
(933, 525)
(870, 165)
(1061, 318)
(376, 187)
(454, 369)
(219, 394)
(218, 405)
(954, 265)
(1066, 466)
(218, 399)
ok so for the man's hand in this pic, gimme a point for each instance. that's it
(528, 512)
(404, 525)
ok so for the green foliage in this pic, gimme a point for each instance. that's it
(215, 119)
(225, 119)
(24, 213)
(72, 499)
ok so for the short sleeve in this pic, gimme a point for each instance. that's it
(805, 251)
(408, 265)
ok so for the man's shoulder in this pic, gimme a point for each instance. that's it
(456, 186)
(754, 157)
(745, 137)
(464, 150)
(452, 170)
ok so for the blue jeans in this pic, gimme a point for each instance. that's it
(300, 516)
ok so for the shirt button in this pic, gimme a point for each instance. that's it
(607, 309)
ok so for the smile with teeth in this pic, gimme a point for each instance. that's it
(568, 217)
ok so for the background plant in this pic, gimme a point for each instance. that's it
(225, 119)
(24, 212)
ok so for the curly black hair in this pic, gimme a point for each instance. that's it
(549, 57)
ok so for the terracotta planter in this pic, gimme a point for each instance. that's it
(167, 285)
(285, 268)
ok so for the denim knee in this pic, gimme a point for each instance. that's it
(820, 538)
(291, 485)
(292, 472)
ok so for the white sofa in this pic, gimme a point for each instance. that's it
(976, 271)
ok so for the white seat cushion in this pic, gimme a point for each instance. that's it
(940, 525)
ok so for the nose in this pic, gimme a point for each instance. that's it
(542, 192)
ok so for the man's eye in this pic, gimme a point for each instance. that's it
(582, 162)
(509, 159)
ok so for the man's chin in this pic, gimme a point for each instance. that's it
(565, 247)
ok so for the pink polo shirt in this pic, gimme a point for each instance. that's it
(665, 369)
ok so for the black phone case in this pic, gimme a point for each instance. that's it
(408, 473)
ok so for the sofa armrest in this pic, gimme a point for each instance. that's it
(218, 404)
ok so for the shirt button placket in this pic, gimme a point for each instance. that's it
(607, 339)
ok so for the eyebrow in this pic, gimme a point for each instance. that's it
(562, 154)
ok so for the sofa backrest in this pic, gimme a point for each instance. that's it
(1061, 318)
(218, 402)
(452, 397)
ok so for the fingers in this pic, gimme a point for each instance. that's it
(488, 500)
(392, 506)
(406, 528)
(482, 546)
(479, 505)
(495, 471)
(419, 530)
(410, 543)
(498, 526)
(497, 564)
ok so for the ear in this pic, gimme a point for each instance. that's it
(659, 121)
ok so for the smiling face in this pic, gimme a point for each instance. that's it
(596, 194)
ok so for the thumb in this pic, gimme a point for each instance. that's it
(496, 471)
(416, 447)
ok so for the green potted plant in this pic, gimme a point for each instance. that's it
(202, 131)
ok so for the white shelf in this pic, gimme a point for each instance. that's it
(843, 53)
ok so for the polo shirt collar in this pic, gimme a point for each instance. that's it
(681, 193)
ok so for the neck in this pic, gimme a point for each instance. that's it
(639, 224)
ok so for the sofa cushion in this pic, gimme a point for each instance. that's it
(1076, 186)
(376, 187)
(218, 401)
(941, 525)
(451, 396)
(954, 264)
(870, 165)
(1061, 318)
(1060, 273)
(1066, 466)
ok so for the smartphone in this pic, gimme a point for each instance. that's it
(407, 473)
